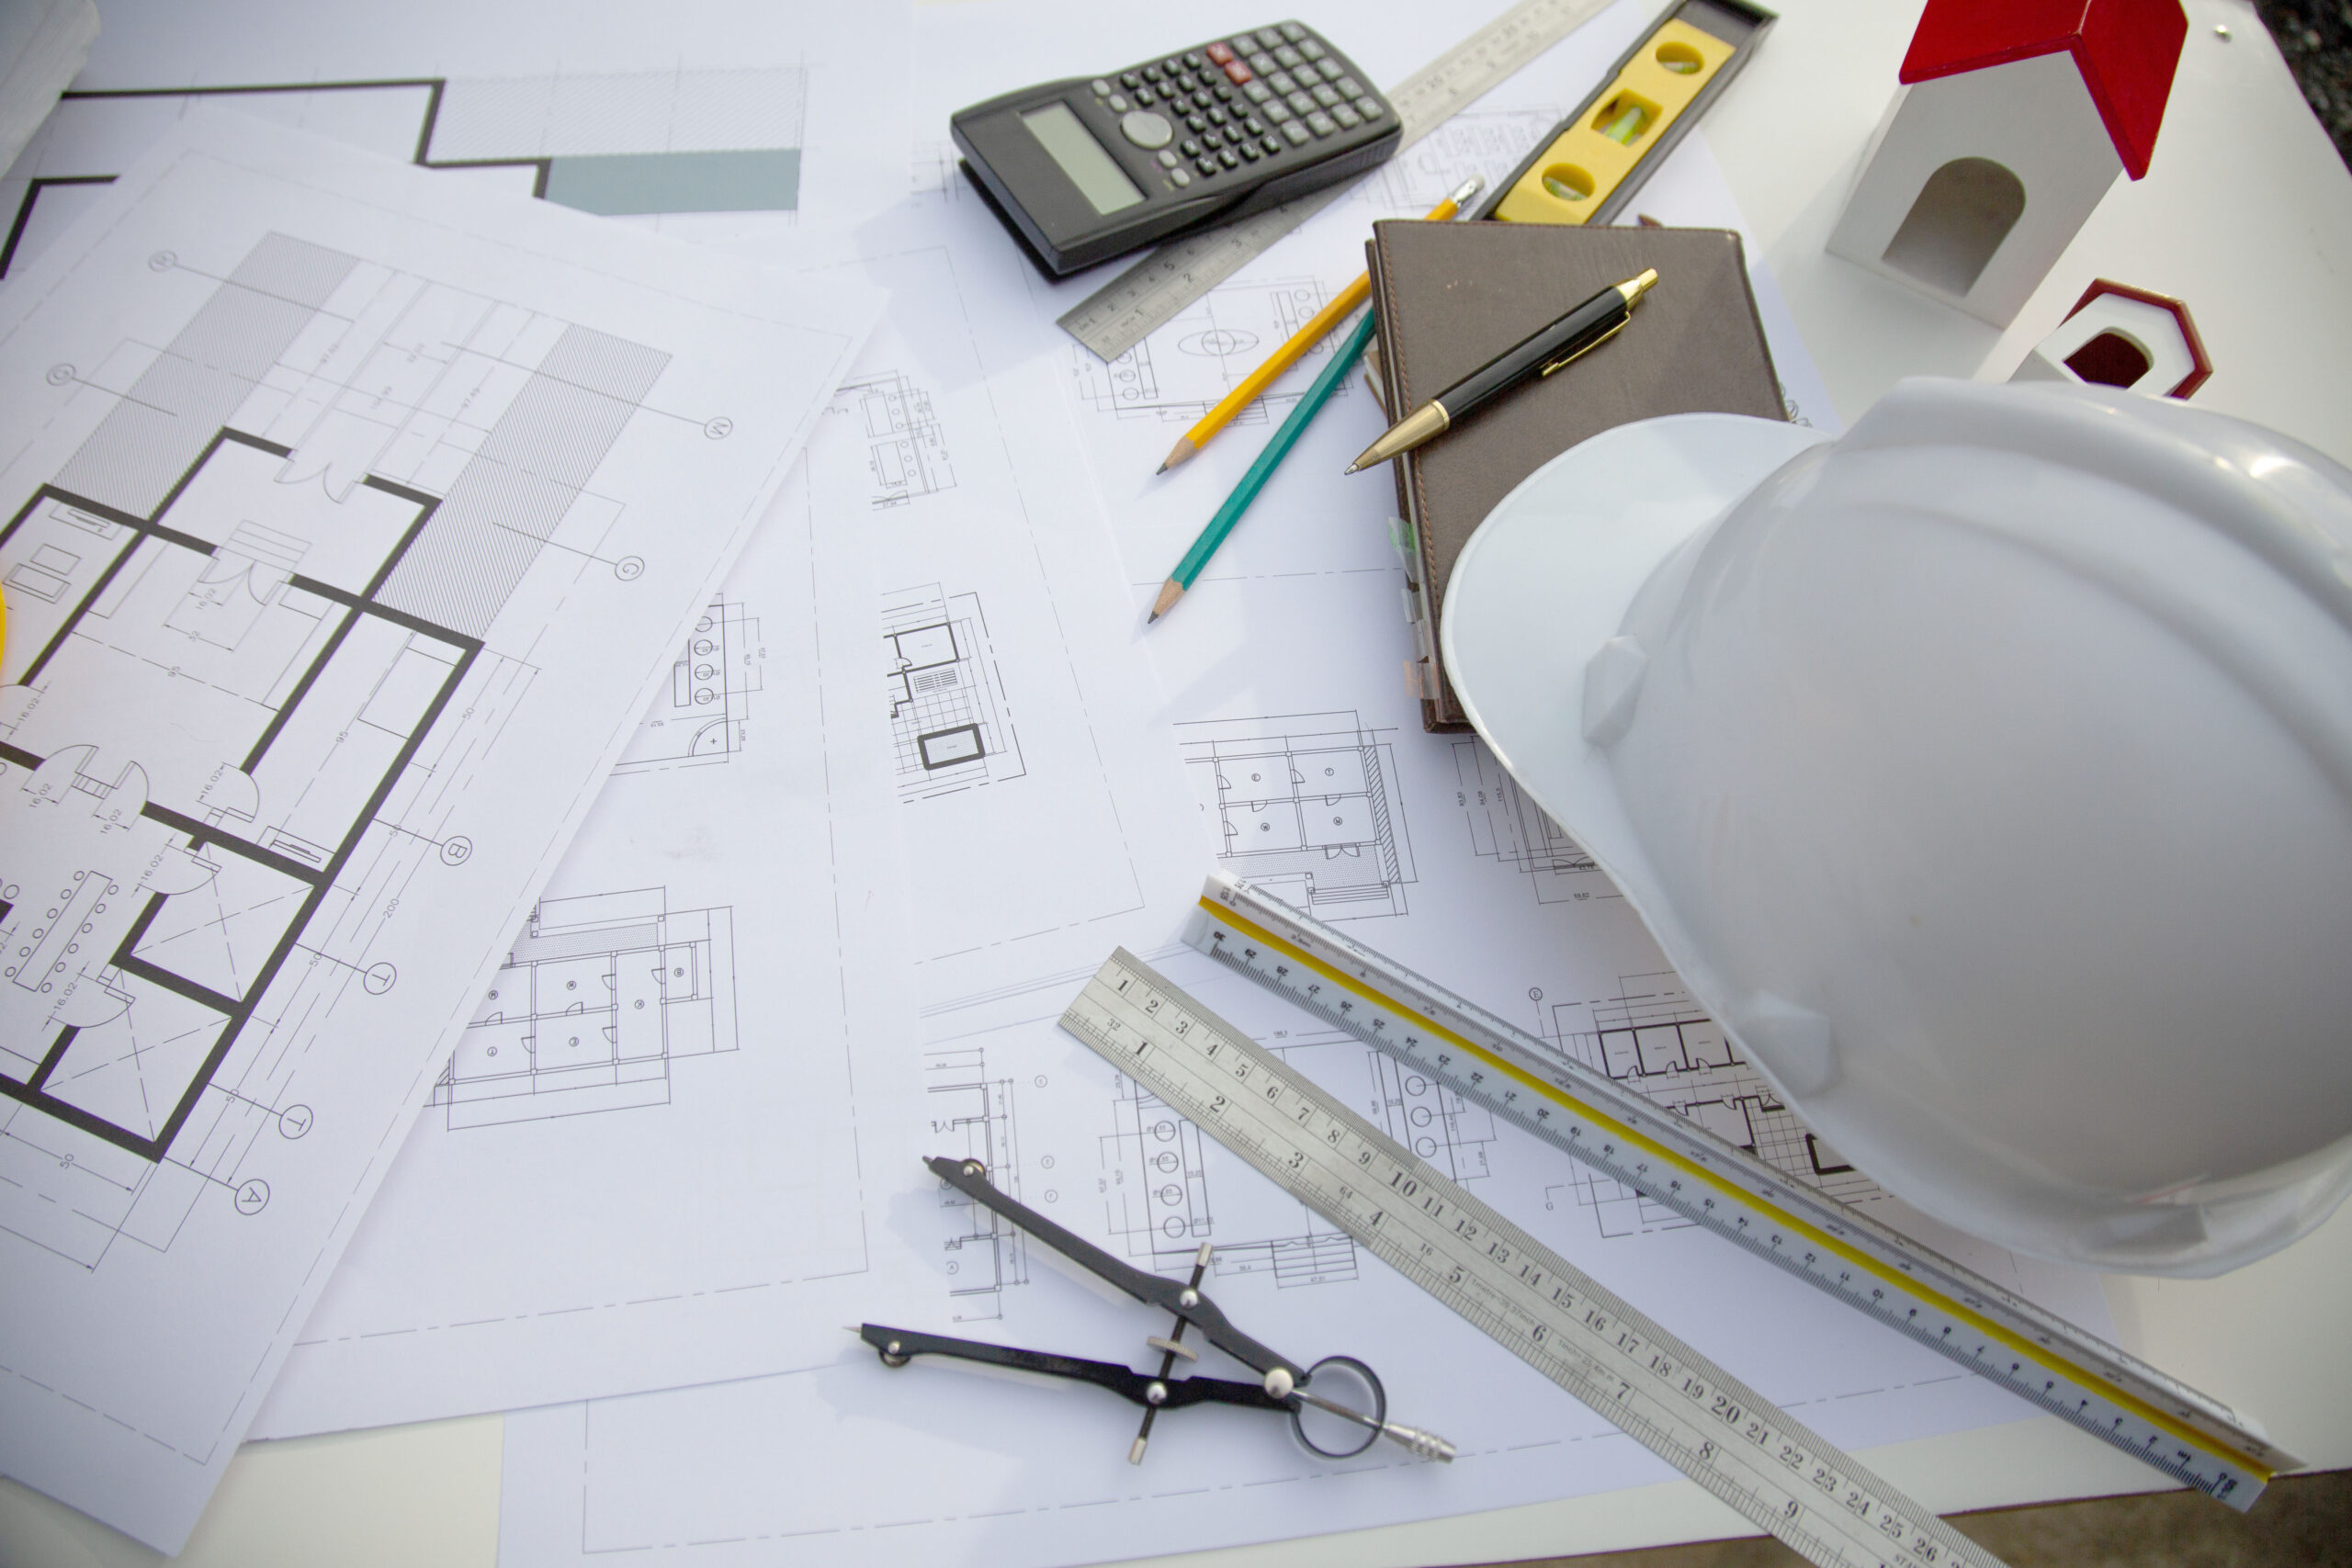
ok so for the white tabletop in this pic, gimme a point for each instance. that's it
(2246, 215)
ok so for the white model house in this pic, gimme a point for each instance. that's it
(2120, 336)
(2013, 120)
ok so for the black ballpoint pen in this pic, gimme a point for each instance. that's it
(1586, 327)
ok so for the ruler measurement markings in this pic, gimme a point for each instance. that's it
(2096, 1387)
(1153, 291)
(1573, 1331)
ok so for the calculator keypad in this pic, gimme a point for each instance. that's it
(1238, 101)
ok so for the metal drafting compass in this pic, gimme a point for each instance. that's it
(1336, 1406)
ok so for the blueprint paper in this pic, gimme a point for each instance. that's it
(715, 119)
(1285, 672)
(704, 1133)
(993, 702)
(1045, 815)
(352, 522)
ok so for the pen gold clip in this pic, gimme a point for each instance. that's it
(1575, 354)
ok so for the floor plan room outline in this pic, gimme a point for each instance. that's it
(703, 713)
(599, 999)
(951, 722)
(1309, 806)
(1653, 1037)
(729, 141)
(277, 555)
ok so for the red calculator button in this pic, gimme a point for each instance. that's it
(1236, 73)
(1221, 53)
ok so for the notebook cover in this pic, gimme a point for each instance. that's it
(1452, 296)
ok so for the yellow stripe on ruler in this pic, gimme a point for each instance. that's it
(1907, 1284)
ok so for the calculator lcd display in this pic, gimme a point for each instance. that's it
(1082, 157)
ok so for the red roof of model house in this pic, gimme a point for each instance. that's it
(2126, 49)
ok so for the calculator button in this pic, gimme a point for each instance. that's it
(1321, 123)
(1325, 95)
(1349, 87)
(1167, 158)
(1196, 121)
(1193, 58)
(1284, 83)
(1301, 102)
(1264, 64)
(1143, 98)
(1190, 148)
(1212, 139)
(1103, 88)
(1119, 105)
(1223, 90)
(1349, 120)
(1257, 92)
(1146, 129)
(1150, 74)
(1173, 66)
(1269, 38)
(1309, 48)
(1368, 108)
(1219, 52)
(1289, 56)
(1182, 179)
(1229, 158)
(1307, 75)
(1208, 165)
(1296, 134)
(1202, 99)
(1294, 32)
(1273, 144)
(1250, 152)
(1254, 125)
(1276, 111)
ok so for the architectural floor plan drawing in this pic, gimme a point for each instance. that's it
(971, 1117)
(610, 142)
(950, 719)
(1653, 1037)
(1181, 371)
(598, 997)
(313, 614)
(1506, 825)
(907, 451)
(1308, 808)
(333, 585)
(703, 715)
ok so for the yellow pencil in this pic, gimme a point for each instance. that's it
(1306, 337)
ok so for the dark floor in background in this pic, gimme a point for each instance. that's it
(2316, 38)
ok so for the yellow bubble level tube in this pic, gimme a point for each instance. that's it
(1628, 119)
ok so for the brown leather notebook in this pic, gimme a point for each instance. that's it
(1452, 296)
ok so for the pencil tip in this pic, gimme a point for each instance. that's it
(1147, 620)
(1183, 448)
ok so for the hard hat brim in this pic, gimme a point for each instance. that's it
(1548, 577)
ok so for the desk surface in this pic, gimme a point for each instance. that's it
(2266, 266)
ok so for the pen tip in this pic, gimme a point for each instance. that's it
(1351, 468)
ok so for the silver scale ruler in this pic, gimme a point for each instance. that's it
(1655, 1389)
(1994, 1332)
(1148, 295)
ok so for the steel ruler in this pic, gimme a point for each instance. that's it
(1655, 1389)
(1986, 1327)
(1128, 309)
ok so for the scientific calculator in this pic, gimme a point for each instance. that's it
(1087, 169)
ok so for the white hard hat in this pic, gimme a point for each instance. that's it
(1986, 771)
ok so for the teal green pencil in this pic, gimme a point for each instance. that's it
(1343, 359)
